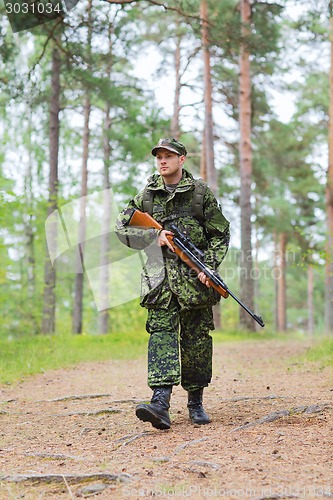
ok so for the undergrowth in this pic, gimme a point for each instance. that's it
(27, 355)
(321, 352)
(35, 354)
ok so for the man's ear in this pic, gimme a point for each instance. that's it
(182, 159)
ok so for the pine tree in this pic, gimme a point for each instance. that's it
(78, 286)
(49, 306)
(329, 196)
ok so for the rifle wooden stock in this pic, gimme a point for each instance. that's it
(144, 220)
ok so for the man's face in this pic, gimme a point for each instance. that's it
(169, 164)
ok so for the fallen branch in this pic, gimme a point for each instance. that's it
(68, 488)
(74, 397)
(182, 447)
(70, 478)
(204, 464)
(250, 398)
(85, 430)
(130, 438)
(161, 459)
(91, 490)
(95, 413)
(54, 456)
(308, 410)
(133, 400)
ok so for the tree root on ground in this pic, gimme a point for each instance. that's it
(74, 397)
(69, 478)
(95, 413)
(129, 438)
(253, 398)
(306, 410)
(52, 456)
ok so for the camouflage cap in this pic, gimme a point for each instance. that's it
(170, 145)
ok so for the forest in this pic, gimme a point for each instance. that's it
(246, 85)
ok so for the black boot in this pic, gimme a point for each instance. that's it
(195, 408)
(157, 411)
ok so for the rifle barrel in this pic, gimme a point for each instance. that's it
(215, 278)
(144, 220)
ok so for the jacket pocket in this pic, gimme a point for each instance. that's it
(152, 283)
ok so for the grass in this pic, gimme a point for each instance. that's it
(29, 355)
(321, 353)
(24, 356)
(241, 335)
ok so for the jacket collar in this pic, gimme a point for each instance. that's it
(156, 182)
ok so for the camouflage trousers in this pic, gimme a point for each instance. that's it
(180, 347)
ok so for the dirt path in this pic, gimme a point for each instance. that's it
(271, 435)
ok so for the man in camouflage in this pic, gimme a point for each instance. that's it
(179, 302)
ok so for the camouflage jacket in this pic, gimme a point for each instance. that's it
(164, 273)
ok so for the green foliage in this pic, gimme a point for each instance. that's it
(296, 292)
(262, 42)
(265, 40)
(288, 193)
(286, 181)
(312, 25)
(321, 352)
(29, 355)
(265, 293)
(237, 335)
(313, 103)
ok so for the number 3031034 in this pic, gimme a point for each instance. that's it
(33, 8)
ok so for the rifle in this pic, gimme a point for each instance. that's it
(192, 256)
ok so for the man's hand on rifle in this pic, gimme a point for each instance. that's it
(203, 278)
(162, 239)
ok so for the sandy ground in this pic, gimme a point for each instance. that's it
(73, 433)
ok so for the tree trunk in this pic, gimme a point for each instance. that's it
(78, 285)
(203, 169)
(329, 201)
(276, 274)
(49, 299)
(30, 257)
(175, 128)
(281, 296)
(208, 100)
(30, 260)
(28, 225)
(256, 270)
(103, 318)
(208, 160)
(310, 302)
(245, 153)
